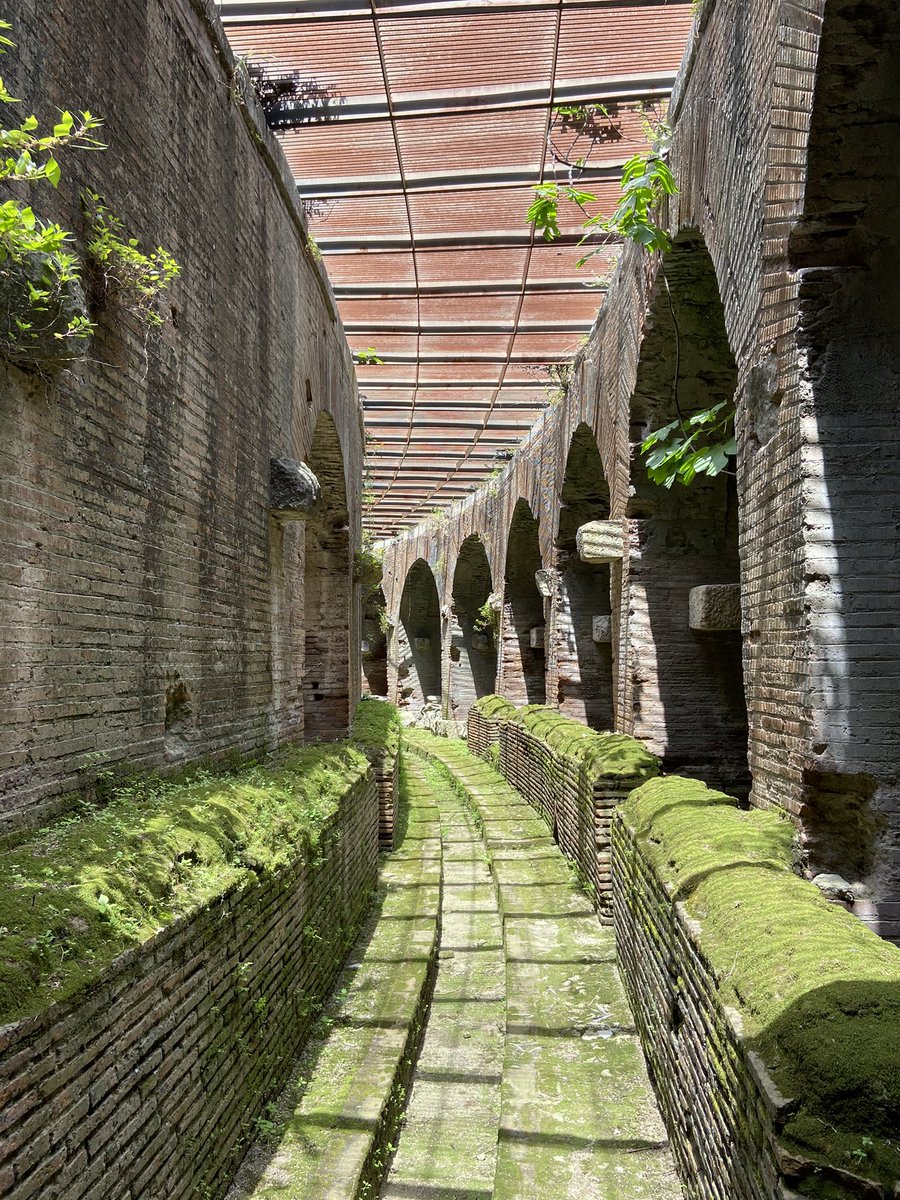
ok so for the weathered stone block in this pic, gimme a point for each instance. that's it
(422, 644)
(715, 607)
(294, 491)
(546, 581)
(481, 641)
(602, 629)
(600, 541)
(537, 637)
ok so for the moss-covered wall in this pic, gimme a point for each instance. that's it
(376, 730)
(163, 959)
(770, 1017)
(574, 776)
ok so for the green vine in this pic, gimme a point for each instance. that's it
(646, 181)
(685, 448)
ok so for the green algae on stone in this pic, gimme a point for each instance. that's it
(89, 886)
(608, 754)
(376, 728)
(819, 992)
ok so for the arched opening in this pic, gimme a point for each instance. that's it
(522, 629)
(846, 252)
(473, 647)
(375, 630)
(583, 627)
(685, 648)
(419, 639)
(327, 592)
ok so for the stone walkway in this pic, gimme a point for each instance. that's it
(528, 1082)
(448, 1146)
(578, 1117)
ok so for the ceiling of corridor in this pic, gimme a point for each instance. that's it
(427, 126)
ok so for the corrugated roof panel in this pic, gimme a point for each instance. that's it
(473, 49)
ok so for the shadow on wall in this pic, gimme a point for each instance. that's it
(847, 255)
(584, 615)
(419, 638)
(327, 590)
(374, 643)
(522, 630)
(473, 649)
(689, 702)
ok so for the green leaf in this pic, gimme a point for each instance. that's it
(658, 434)
(51, 170)
(64, 126)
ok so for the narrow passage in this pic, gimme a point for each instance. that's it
(528, 1082)
(448, 1144)
(577, 1115)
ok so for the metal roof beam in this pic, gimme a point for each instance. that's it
(464, 330)
(366, 110)
(474, 180)
(380, 243)
(451, 385)
(234, 12)
(499, 287)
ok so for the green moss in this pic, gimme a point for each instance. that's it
(495, 707)
(376, 728)
(94, 884)
(608, 754)
(819, 993)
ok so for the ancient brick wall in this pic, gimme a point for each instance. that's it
(149, 1083)
(154, 612)
(770, 296)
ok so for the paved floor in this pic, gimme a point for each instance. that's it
(548, 1084)
(527, 1081)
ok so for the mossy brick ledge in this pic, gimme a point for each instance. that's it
(483, 726)
(574, 776)
(376, 730)
(191, 935)
(332, 1130)
(771, 1018)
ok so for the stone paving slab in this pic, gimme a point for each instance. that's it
(448, 1145)
(578, 1116)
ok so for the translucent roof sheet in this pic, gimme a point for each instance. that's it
(438, 119)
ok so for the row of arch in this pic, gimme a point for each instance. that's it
(613, 651)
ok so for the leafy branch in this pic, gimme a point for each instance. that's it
(136, 277)
(700, 444)
(42, 316)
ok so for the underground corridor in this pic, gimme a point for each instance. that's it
(449, 477)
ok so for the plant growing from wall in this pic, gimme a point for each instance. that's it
(368, 357)
(43, 317)
(487, 619)
(136, 278)
(700, 444)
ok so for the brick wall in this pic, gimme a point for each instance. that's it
(723, 1125)
(780, 261)
(147, 1083)
(150, 613)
